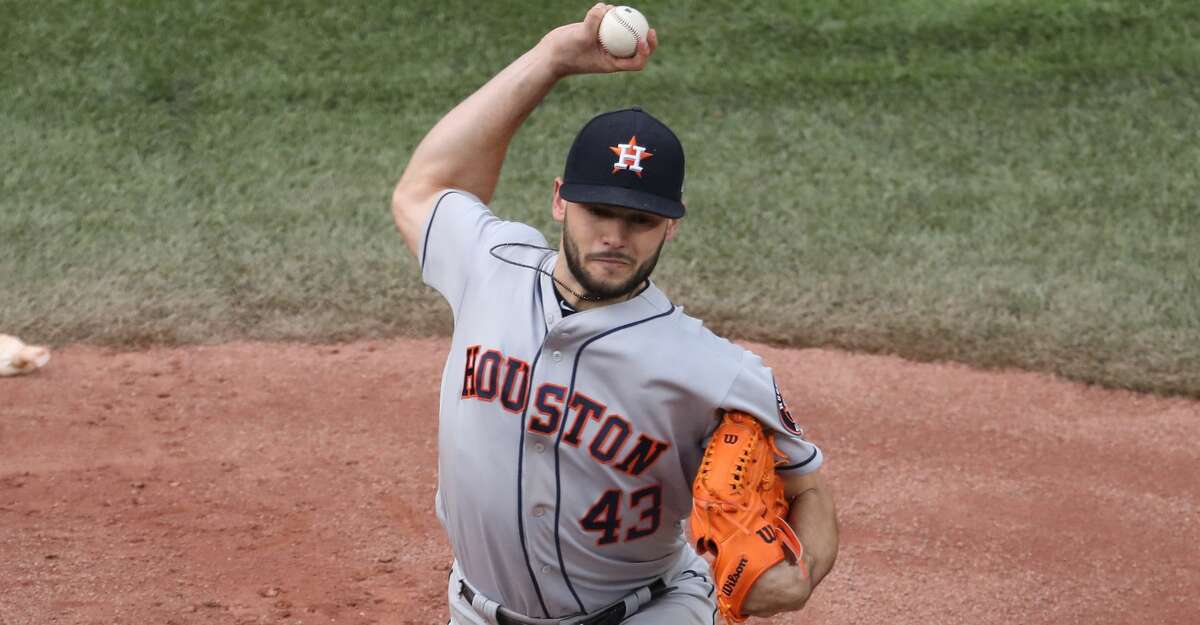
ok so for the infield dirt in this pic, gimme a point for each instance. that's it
(283, 483)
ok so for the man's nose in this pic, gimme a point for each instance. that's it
(615, 233)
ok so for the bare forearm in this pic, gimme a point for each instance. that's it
(466, 148)
(812, 515)
(814, 518)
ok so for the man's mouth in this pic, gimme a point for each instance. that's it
(611, 260)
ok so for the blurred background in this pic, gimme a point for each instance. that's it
(1005, 183)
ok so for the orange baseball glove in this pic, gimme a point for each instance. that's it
(738, 510)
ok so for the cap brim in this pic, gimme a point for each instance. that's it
(620, 196)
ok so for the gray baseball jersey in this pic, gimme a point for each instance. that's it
(567, 446)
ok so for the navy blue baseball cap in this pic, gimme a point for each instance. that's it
(626, 158)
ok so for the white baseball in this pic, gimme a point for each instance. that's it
(621, 30)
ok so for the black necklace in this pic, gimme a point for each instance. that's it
(586, 298)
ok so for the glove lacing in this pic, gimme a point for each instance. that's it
(735, 483)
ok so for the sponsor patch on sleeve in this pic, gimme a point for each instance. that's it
(785, 415)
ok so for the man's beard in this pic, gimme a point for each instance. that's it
(594, 290)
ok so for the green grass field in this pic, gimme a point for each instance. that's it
(1002, 183)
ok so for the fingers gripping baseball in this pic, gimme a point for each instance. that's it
(576, 49)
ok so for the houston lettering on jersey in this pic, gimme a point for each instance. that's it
(490, 376)
(483, 380)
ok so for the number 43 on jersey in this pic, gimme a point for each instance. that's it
(605, 516)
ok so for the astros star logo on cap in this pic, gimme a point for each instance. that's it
(629, 156)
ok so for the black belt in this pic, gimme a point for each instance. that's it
(611, 615)
(469, 595)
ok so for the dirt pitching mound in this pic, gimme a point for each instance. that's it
(253, 483)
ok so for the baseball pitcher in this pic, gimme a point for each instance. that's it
(603, 457)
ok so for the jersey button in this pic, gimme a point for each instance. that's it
(538, 447)
(538, 511)
(546, 569)
(556, 356)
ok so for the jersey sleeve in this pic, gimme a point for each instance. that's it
(755, 392)
(456, 239)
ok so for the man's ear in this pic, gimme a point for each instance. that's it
(558, 206)
(672, 229)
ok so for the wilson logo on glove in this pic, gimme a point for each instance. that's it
(731, 583)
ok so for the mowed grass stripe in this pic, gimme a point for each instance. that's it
(999, 183)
